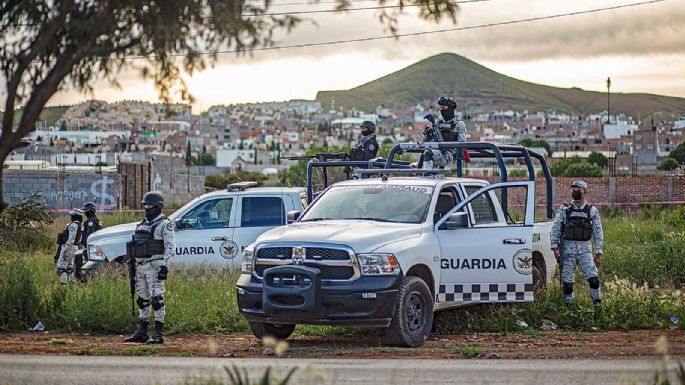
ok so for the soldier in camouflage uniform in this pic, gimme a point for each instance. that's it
(450, 129)
(68, 240)
(577, 228)
(157, 233)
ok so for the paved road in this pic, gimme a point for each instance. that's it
(44, 370)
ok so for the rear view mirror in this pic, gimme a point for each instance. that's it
(458, 220)
(293, 216)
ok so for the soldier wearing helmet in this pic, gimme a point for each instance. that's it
(152, 248)
(577, 228)
(91, 225)
(367, 146)
(447, 129)
(68, 240)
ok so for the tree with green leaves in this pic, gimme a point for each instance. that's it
(48, 46)
(599, 159)
(189, 156)
(575, 167)
(668, 164)
(678, 153)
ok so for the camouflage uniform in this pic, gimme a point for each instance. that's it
(149, 287)
(65, 262)
(578, 252)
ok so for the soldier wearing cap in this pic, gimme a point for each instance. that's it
(367, 146)
(577, 228)
(68, 240)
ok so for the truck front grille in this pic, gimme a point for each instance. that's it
(335, 262)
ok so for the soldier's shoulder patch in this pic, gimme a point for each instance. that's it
(372, 146)
(170, 226)
(90, 224)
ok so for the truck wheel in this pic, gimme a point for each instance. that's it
(263, 329)
(413, 316)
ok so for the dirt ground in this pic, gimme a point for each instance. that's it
(541, 345)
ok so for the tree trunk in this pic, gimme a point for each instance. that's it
(3, 155)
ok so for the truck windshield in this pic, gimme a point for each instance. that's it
(382, 202)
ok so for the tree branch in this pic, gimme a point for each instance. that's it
(45, 37)
(106, 51)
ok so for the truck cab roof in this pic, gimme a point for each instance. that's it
(412, 180)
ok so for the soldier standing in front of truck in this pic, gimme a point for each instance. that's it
(154, 237)
(91, 225)
(68, 240)
(577, 228)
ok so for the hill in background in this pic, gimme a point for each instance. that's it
(49, 115)
(482, 90)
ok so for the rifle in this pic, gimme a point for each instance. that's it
(433, 127)
(132, 275)
(322, 156)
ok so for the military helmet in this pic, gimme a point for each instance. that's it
(74, 212)
(89, 206)
(154, 198)
(579, 183)
(447, 101)
(371, 126)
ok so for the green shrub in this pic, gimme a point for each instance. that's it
(18, 295)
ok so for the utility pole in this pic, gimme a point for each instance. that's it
(608, 100)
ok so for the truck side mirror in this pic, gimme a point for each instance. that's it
(178, 224)
(293, 216)
(458, 220)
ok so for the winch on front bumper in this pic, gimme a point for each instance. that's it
(291, 294)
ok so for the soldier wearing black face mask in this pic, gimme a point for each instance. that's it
(577, 228)
(91, 225)
(367, 146)
(152, 248)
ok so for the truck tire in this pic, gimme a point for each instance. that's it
(413, 316)
(263, 329)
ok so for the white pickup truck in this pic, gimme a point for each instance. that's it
(212, 228)
(387, 252)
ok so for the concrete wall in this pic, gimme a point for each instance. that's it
(170, 176)
(62, 190)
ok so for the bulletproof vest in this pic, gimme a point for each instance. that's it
(63, 237)
(89, 227)
(449, 134)
(361, 152)
(144, 244)
(578, 225)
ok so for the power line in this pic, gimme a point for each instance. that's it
(365, 39)
(290, 13)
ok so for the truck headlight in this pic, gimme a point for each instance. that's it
(95, 253)
(248, 259)
(378, 264)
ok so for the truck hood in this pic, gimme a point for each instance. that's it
(125, 230)
(362, 236)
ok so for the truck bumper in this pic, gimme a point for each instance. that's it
(302, 298)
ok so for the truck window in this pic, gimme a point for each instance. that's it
(211, 214)
(447, 199)
(482, 207)
(262, 212)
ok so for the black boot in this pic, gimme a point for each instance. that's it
(157, 337)
(140, 334)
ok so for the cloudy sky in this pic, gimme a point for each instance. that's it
(642, 48)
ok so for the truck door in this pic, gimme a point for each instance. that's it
(258, 214)
(206, 233)
(490, 258)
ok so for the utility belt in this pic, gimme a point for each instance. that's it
(144, 248)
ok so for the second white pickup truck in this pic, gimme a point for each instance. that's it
(211, 229)
(388, 252)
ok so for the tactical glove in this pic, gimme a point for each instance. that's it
(163, 271)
